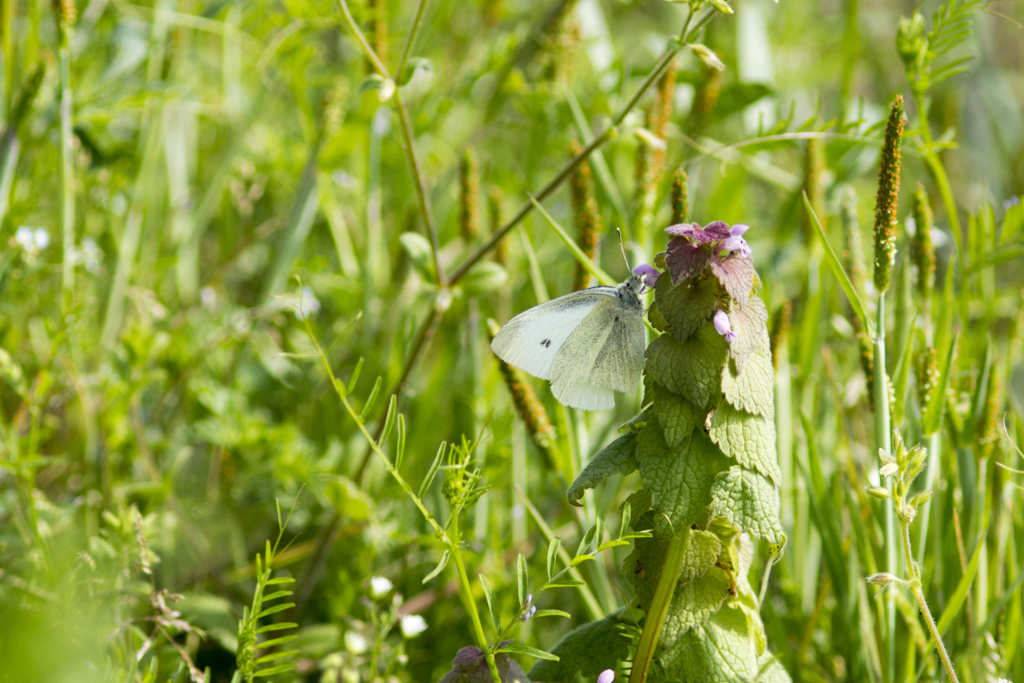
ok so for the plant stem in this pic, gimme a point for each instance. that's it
(410, 151)
(883, 438)
(410, 37)
(467, 598)
(659, 607)
(915, 589)
(67, 178)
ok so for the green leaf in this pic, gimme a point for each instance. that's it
(956, 601)
(580, 559)
(551, 613)
(750, 502)
(274, 670)
(564, 583)
(483, 278)
(737, 97)
(749, 324)
(701, 588)
(439, 568)
(553, 547)
(615, 458)
(275, 609)
(748, 439)
(840, 274)
(587, 651)
(522, 578)
(693, 368)
(932, 418)
(719, 648)
(901, 375)
(529, 651)
(687, 306)
(276, 641)
(679, 479)
(753, 390)
(276, 627)
(676, 415)
(591, 267)
(611, 544)
(275, 656)
(492, 605)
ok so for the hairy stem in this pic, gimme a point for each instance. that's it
(659, 607)
(917, 591)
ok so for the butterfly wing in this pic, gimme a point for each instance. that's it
(604, 353)
(531, 340)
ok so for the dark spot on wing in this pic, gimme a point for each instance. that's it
(546, 343)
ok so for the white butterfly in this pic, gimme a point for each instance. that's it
(588, 343)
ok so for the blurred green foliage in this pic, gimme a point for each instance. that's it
(232, 168)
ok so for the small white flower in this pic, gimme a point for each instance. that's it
(607, 676)
(92, 254)
(41, 238)
(355, 642)
(380, 586)
(24, 237)
(412, 625)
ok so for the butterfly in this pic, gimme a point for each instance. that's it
(588, 344)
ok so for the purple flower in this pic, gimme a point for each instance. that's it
(607, 676)
(648, 274)
(723, 326)
(692, 248)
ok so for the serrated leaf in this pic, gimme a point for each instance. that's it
(692, 369)
(753, 390)
(686, 306)
(529, 651)
(750, 502)
(587, 651)
(746, 438)
(678, 479)
(676, 415)
(555, 544)
(749, 324)
(736, 274)
(701, 587)
(492, 605)
(522, 578)
(439, 568)
(615, 458)
(717, 650)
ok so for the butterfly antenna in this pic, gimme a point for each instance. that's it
(622, 248)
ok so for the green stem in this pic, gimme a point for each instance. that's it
(659, 607)
(410, 151)
(410, 37)
(915, 589)
(883, 437)
(934, 457)
(467, 598)
(67, 178)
